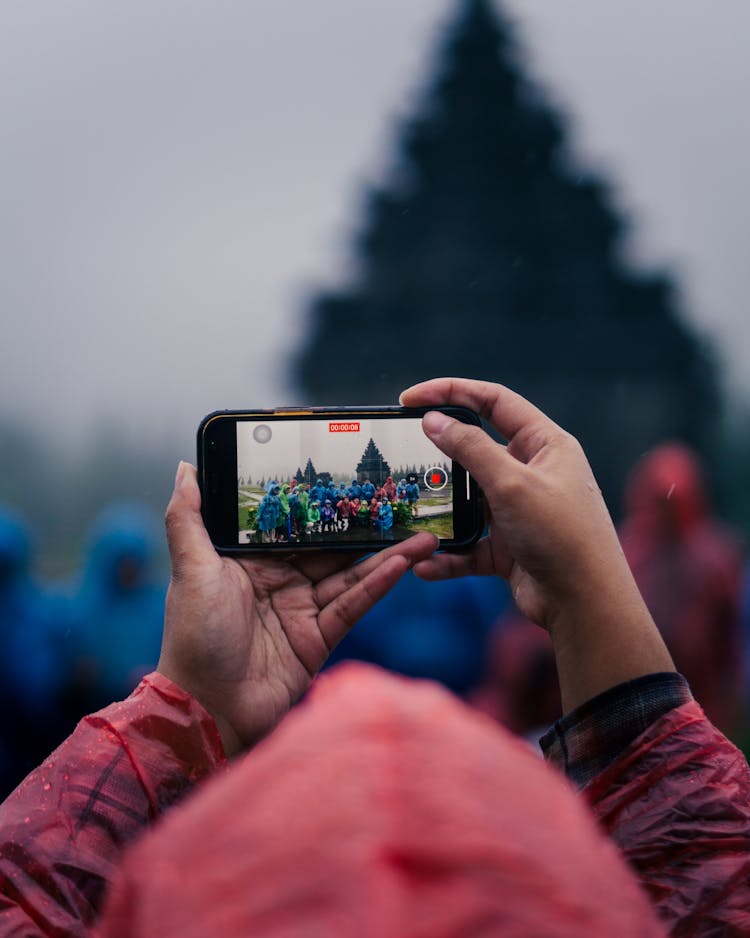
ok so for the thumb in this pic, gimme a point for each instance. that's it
(187, 537)
(487, 461)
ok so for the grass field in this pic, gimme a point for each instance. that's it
(445, 499)
(439, 525)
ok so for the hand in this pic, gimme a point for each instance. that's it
(548, 524)
(550, 535)
(246, 637)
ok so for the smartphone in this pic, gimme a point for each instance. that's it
(331, 477)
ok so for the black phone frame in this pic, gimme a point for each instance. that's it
(217, 478)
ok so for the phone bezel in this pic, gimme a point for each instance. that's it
(217, 477)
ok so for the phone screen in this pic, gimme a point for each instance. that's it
(340, 480)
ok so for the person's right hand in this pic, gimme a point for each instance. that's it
(550, 535)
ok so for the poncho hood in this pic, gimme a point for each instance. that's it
(380, 807)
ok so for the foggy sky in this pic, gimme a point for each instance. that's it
(176, 177)
(293, 442)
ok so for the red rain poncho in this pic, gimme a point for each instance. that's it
(380, 806)
(688, 568)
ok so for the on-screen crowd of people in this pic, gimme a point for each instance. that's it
(292, 511)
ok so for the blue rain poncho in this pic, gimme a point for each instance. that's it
(384, 520)
(120, 601)
(36, 654)
(318, 492)
(35, 648)
(269, 508)
(431, 630)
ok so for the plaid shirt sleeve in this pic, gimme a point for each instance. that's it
(63, 830)
(588, 739)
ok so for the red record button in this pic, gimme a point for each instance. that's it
(436, 478)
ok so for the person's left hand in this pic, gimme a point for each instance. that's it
(245, 637)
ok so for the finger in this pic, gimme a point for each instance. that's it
(414, 549)
(187, 537)
(318, 566)
(479, 561)
(349, 606)
(508, 412)
(488, 462)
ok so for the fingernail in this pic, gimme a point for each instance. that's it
(180, 474)
(435, 422)
(404, 393)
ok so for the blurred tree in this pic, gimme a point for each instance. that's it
(26, 467)
(309, 475)
(488, 253)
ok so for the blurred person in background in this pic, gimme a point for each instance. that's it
(745, 617)
(430, 630)
(688, 566)
(519, 686)
(118, 606)
(35, 654)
